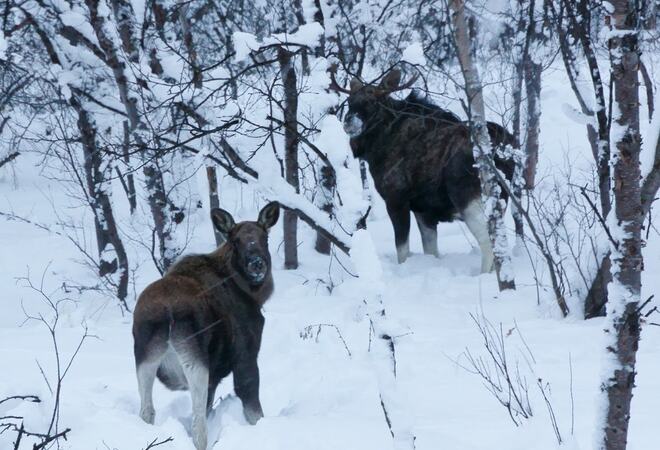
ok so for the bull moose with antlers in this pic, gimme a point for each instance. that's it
(420, 158)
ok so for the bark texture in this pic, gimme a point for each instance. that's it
(327, 185)
(165, 216)
(290, 220)
(490, 188)
(627, 262)
(214, 200)
(533, 124)
(111, 251)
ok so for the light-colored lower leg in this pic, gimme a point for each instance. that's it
(146, 374)
(429, 237)
(403, 252)
(475, 219)
(197, 376)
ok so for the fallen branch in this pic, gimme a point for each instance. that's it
(312, 223)
(9, 158)
(155, 443)
(308, 332)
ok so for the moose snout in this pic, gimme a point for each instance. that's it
(256, 267)
(353, 125)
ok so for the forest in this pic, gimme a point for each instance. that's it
(370, 224)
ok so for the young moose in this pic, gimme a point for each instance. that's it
(203, 320)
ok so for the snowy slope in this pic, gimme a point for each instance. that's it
(319, 391)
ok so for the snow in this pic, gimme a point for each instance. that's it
(244, 43)
(414, 54)
(306, 35)
(3, 46)
(315, 395)
(650, 138)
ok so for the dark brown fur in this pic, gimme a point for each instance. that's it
(204, 317)
(420, 156)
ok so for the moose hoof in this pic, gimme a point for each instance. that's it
(148, 414)
(200, 442)
(253, 415)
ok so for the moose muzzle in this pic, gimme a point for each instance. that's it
(353, 125)
(256, 268)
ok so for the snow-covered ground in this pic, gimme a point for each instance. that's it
(319, 390)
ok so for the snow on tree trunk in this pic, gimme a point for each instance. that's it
(382, 348)
(327, 177)
(113, 262)
(623, 314)
(129, 184)
(290, 220)
(214, 200)
(164, 222)
(325, 195)
(494, 206)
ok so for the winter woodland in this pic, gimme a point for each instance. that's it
(124, 123)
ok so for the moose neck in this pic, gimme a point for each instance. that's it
(223, 259)
(374, 143)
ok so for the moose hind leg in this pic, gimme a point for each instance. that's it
(429, 234)
(475, 219)
(146, 374)
(197, 377)
(149, 349)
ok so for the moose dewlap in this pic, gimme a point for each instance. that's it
(202, 321)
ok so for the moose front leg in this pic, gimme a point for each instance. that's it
(400, 217)
(246, 385)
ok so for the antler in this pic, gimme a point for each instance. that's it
(407, 84)
(333, 81)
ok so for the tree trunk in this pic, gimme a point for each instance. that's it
(594, 303)
(130, 178)
(627, 262)
(533, 90)
(165, 216)
(325, 193)
(214, 200)
(602, 150)
(382, 344)
(494, 206)
(327, 177)
(290, 222)
(521, 56)
(597, 133)
(112, 254)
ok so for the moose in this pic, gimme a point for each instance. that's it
(202, 320)
(420, 158)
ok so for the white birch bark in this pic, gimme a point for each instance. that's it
(494, 206)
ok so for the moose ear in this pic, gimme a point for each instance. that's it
(222, 220)
(356, 85)
(391, 80)
(269, 214)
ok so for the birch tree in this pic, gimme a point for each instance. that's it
(494, 206)
(290, 221)
(623, 307)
